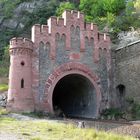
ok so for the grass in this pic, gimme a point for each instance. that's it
(51, 130)
(3, 87)
(3, 111)
(34, 114)
(43, 130)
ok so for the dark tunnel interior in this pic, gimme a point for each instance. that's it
(74, 95)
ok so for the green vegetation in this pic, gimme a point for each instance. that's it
(4, 71)
(64, 6)
(101, 8)
(4, 66)
(41, 14)
(133, 109)
(38, 114)
(131, 112)
(8, 11)
(112, 113)
(3, 87)
(51, 130)
(3, 111)
(113, 16)
(116, 15)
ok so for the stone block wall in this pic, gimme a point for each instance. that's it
(127, 71)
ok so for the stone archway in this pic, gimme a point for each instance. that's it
(75, 96)
(85, 97)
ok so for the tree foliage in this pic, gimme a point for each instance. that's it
(63, 6)
(137, 5)
(112, 6)
(41, 14)
(101, 7)
(116, 15)
(7, 7)
(4, 62)
(103, 12)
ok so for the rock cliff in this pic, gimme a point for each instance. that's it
(17, 17)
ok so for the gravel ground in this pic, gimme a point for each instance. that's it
(123, 128)
(132, 129)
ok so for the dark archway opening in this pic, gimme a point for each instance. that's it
(75, 96)
(121, 95)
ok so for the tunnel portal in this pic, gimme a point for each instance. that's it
(75, 96)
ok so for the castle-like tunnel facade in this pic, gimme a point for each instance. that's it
(64, 69)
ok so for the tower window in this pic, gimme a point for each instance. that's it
(22, 63)
(98, 36)
(22, 83)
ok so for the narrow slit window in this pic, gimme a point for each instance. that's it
(22, 83)
(98, 36)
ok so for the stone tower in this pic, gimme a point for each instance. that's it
(20, 93)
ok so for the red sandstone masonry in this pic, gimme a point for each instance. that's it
(46, 34)
(69, 68)
(62, 26)
(20, 52)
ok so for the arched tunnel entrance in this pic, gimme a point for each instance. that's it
(75, 96)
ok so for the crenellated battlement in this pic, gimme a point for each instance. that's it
(104, 41)
(72, 16)
(63, 24)
(52, 21)
(21, 42)
(60, 21)
(91, 27)
(104, 37)
(36, 30)
(73, 25)
(44, 29)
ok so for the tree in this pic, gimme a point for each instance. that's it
(101, 7)
(63, 6)
(41, 14)
(137, 5)
(113, 6)
(92, 8)
(4, 63)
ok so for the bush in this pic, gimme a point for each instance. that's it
(3, 87)
(112, 113)
(136, 111)
(133, 108)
